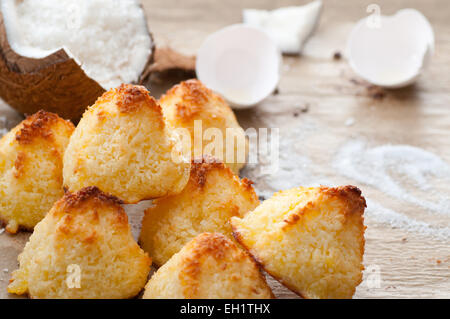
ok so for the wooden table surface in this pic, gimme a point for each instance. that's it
(320, 106)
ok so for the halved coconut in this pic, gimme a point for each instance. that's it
(60, 55)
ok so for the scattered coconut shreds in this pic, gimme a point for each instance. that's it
(396, 220)
(400, 171)
(290, 27)
(286, 171)
(392, 168)
(109, 38)
(350, 121)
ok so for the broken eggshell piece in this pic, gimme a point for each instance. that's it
(391, 51)
(241, 63)
(290, 27)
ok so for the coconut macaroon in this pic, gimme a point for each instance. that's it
(210, 266)
(123, 146)
(212, 196)
(31, 161)
(83, 248)
(310, 239)
(193, 106)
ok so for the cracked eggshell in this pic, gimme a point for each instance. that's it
(391, 52)
(290, 26)
(241, 63)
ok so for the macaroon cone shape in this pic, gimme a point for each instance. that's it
(193, 106)
(212, 196)
(83, 248)
(310, 239)
(210, 266)
(123, 146)
(31, 164)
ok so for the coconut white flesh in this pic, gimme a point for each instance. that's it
(108, 38)
(391, 51)
(290, 27)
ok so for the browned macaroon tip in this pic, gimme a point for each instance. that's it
(201, 167)
(193, 95)
(212, 244)
(132, 97)
(72, 200)
(38, 125)
(247, 183)
(350, 194)
(129, 98)
(192, 89)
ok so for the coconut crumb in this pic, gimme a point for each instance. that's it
(350, 121)
(403, 172)
(337, 55)
(390, 167)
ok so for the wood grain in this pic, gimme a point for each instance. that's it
(410, 264)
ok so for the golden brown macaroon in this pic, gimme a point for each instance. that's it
(310, 239)
(191, 101)
(83, 248)
(31, 161)
(212, 195)
(210, 266)
(123, 146)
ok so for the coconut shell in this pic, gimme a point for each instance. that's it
(55, 83)
(145, 74)
(58, 84)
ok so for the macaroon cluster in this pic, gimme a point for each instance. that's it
(206, 229)
(211, 197)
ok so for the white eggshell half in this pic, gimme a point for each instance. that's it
(241, 63)
(393, 52)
